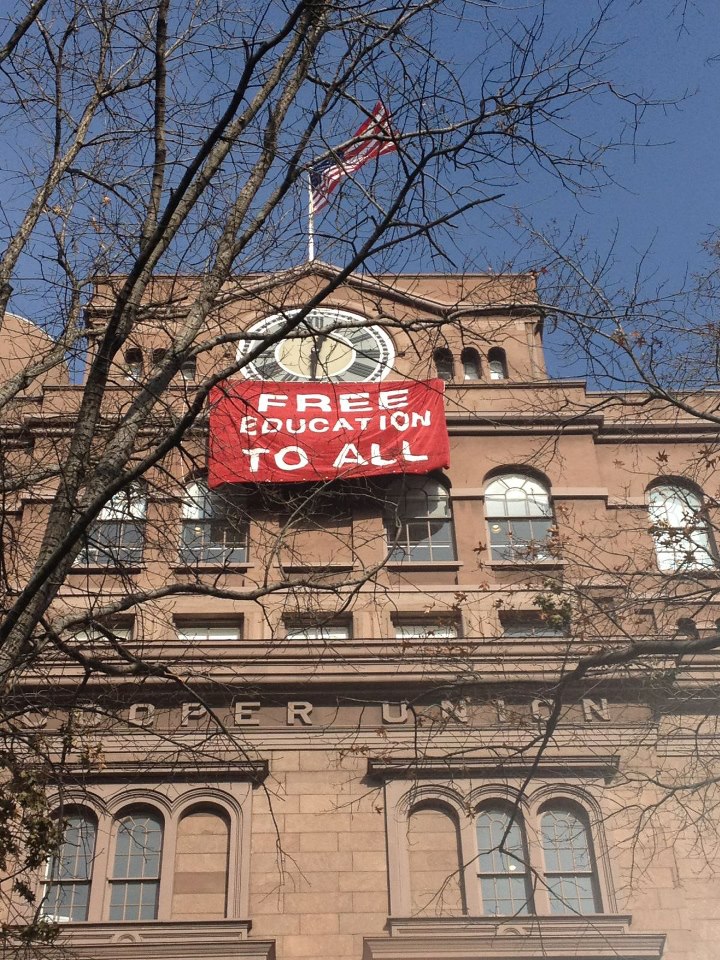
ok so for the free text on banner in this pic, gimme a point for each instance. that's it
(262, 432)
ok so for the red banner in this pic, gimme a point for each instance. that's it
(262, 432)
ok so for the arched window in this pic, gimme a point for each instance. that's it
(503, 865)
(569, 866)
(418, 521)
(134, 364)
(444, 364)
(470, 363)
(117, 536)
(679, 528)
(497, 364)
(188, 369)
(214, 525)
(66, 893)
(434, 861)
(201, 865)
(135, 879)
(519, 516)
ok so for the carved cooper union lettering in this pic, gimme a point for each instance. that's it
(299, 713)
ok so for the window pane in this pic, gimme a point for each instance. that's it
(136, 868)
(571, 895)
(504, 896)
(502, 863)
(492, 827)
(69, 871)
(565, 841)
(418, 522)
(215, 528)
(681, 534)
(568, 862)
(426, 631)
(337, 632)
(207, 633)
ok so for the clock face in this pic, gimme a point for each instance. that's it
(327, 345)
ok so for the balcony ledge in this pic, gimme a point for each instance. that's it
(593, 937)
(170, 940)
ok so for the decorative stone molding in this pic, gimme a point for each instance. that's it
(517, 938)
(550, 764)
(181, 940)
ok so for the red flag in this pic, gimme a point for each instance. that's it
(372, 139)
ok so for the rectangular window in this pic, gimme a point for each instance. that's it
(191, 633)
(331, 631)
(530, 624)
(426, 631)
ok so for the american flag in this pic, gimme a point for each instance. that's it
(373, 138)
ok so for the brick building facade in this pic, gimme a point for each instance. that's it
(361, 689)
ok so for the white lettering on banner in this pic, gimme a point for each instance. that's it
(316, 400)
(322, 431)
(281, 458)
(323, 425)
(266, 400)
(248, 425)
(255, 455)
(348, 454)
(342, 424)
(271, 425)
(390, 399)
(285, 459)
(376, 458)
(401, 421)
(355, 403)
(409, 456)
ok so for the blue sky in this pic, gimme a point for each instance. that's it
(661, 197)
(665, 198)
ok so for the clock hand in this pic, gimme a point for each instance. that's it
(315, 355)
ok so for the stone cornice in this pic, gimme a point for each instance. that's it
(551, 763)
(181, 940)
(519, 938)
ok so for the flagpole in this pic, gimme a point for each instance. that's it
(311, 220)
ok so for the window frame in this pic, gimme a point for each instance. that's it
(471, 365)
(426, 629)
(444, 363)
(119, 531)
(86, 816)
(551, 808)
(126, 881)
(134, 364)
(503, 545)
(497, 364)
(324, 632)
(516, 624)
(507, 868)
(403, 545)
(686, 547)
(460, 795)
(208, 549)
(170, 802)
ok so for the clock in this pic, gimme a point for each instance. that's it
(328, 344)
